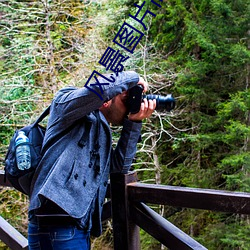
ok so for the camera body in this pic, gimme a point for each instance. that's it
(135, 97)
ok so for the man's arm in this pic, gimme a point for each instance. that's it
(71, 105)
(124, 153)
(125, 150)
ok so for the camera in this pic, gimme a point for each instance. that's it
(135, 97)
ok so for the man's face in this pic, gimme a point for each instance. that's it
(117, 109)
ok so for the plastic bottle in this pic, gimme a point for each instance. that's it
(23, 156)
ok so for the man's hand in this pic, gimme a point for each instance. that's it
(144, 84)
(147, 108)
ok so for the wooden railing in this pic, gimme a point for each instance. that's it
(129, 212)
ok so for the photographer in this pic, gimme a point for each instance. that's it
(70, 185)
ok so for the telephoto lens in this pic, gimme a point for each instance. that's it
(135, 98)
(162, 102)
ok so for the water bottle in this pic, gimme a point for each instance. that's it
(23, 156)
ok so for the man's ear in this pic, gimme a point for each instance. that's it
(105, 105)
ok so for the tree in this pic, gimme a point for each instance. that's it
(42, 48)
(205, 45)
(206, 42)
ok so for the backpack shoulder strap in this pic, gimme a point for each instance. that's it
(43, 115)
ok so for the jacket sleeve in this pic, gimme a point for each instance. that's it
(124, 153)
(71, 104)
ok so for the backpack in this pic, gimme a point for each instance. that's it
(21, 179)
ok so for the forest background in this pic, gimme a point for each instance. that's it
(198, 50)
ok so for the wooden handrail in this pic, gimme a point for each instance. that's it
(208, 199)
(129, 212)
(134, 194)
(161, 229)
(11, 237)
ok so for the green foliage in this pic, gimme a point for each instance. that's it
(223, 235)
(14, 208)
(206, 44)
(148, 242)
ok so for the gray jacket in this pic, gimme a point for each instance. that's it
(65, 174)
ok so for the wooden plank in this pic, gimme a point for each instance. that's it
(125, 231)
(11, 237)
(208, 199)
(2, 181)
(161, 229)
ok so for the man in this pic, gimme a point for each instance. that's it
(69, 187)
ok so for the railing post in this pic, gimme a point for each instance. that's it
(125, 231)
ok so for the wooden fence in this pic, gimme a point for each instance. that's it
(128, 199)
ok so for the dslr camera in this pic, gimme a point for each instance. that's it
(135, 97)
